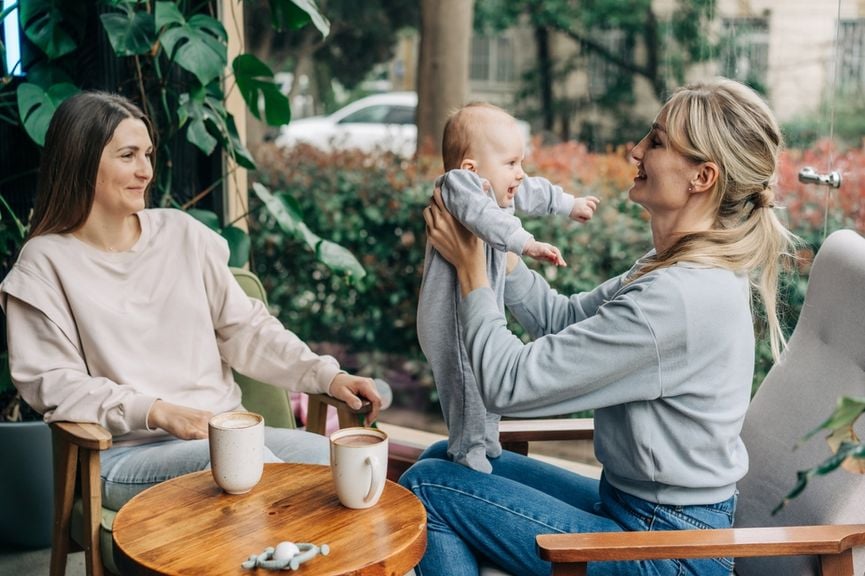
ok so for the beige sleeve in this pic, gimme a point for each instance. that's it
(253, 341)
(51, 375)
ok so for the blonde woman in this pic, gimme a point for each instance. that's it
(664, 354)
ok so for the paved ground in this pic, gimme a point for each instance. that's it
(36, 562)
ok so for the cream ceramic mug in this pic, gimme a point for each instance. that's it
(236, 450)
(358, 460)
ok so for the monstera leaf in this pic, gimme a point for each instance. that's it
(210, 124)
(261, 94)
(338, 258)
(47, 23)
(197, 45)
(168, 13)
(294, 14)
(285, 211)
(130, 32)
(287, 218)
(238, 240)
(195, 112)
(239, 245)
(36, 107)
(235, 147)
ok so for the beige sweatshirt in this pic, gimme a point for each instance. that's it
(97, 336)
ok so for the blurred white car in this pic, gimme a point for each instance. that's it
(379, 122)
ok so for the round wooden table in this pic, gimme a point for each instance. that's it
(188, 525)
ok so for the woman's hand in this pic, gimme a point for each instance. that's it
(180, 421)
(351, 389)
(456, 244)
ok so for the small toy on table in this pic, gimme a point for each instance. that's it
(285, 556)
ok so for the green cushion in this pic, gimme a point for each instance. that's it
(269, 401)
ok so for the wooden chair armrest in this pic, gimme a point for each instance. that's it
(77, 446)
(515, 435)
(348, 416)
(733, 542)
(84, 435)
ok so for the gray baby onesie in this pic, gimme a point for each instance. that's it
(472, 431)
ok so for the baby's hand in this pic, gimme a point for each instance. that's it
(584, 208)
(543, 251)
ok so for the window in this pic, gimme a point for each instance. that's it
(400, 115)
(11, 41)
(745, 51)
(381, 114)
(851, 56)
(479, 63)
(370, 114)
(492, 60)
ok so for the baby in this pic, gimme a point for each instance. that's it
(482, 150)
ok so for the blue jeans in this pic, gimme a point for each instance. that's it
(128, 470)
(475, 518)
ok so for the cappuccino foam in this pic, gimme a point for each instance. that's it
(236, 421)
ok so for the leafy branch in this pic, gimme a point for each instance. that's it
(848, 450)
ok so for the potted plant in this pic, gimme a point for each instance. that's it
(26, 484)
(25, 440)
(848, 451)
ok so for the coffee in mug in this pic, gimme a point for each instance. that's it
(236, 450)
(358, 440)
(358, 460)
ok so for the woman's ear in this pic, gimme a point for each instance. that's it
(469, 164)
(706, 178)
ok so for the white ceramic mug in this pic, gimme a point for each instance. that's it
(236, 450)
(358, 460)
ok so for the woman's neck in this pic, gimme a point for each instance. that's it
(110, 235)
(666, 231)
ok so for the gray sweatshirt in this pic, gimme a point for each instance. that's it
(665, 361)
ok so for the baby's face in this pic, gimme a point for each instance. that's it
(499, 155)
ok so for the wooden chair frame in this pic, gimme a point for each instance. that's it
(569, 553)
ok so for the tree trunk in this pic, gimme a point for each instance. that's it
(545, 76)
(443, 80)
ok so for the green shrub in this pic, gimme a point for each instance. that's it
(372, 206)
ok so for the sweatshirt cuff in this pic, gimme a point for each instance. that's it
(137, 410)
(518, 284)
(517, 241)
(325, 375)
(566, 204)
